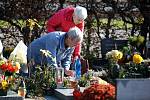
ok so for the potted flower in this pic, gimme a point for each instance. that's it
(97, 92)
(113, 57)
(42, 82)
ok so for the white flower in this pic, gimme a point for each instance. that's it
(47, 53)
(114, 55)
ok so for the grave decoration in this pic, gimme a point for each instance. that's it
(10, 68)
(42, 82)
(99, 92)
(8, 77)
(127, 66)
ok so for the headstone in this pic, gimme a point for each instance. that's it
(133, 89)
(99, 63)
(109, 44)
(147, 49)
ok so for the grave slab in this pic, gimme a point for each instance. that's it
(133, 89)
(66, 94)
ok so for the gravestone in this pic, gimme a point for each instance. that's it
(99, 64)
(109, 44)
(133, 89)
(147, 49)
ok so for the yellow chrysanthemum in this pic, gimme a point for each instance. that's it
(137, 59)
(120, 55)
(4, 84)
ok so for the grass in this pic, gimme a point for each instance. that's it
(115, 23)
(3, 24)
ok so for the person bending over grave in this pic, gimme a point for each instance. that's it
(59, 44)
(67, 18)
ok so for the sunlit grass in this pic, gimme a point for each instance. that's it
(115, 23)
(3, 24)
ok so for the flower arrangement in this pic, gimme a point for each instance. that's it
(126, 65)
(114, 55)
(8, 70)
(136, 68)
(99, 92)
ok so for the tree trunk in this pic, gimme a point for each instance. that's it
(145, 27)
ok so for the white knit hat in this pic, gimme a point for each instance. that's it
(80, 12)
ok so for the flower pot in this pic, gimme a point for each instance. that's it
(3, 92)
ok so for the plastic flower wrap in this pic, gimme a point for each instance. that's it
(19, 53)
(114, 55)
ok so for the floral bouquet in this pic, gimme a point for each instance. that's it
(7, 75)
(136, 67)
(97, 92)
(114, 56)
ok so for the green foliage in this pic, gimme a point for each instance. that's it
(19, 22)
(127, 70)
(42, 82)
(132, 70)
(3, 24)
(84, 80)
(136, 41)
(115, 23)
